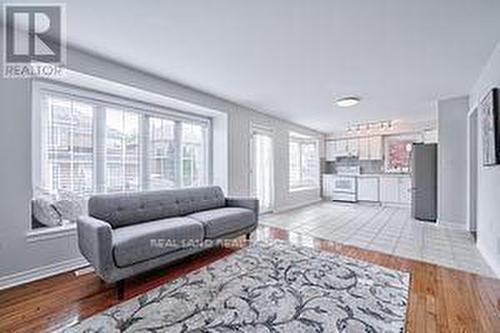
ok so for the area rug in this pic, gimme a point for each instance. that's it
(270, 286)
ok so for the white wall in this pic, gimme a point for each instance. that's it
(17, 254)
(452, 162)
(488, 207)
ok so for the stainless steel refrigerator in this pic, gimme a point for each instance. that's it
(424, 181)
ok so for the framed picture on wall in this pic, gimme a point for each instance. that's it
(490, 128)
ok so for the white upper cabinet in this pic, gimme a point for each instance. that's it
(342, 147)
(331, 150)
(375, 148)
(336, 148)
(365, 148)
(352, 147)
(370, 148)
(430, 136)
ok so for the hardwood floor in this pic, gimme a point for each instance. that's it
(441, 299)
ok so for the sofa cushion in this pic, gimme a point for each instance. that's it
(124, 209)
(140, 242)
(221, 221)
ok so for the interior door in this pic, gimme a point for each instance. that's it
(262, 180)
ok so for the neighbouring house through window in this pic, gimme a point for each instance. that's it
(304, 161)
(86, 145)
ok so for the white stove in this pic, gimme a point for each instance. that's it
(345, 184)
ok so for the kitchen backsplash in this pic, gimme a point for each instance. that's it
(367, 167)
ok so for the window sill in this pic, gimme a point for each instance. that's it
(41, 234)
(304, 188)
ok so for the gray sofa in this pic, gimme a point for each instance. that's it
(127, 234)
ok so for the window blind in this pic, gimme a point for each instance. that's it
(88, 146)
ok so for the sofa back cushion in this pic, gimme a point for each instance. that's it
(122, 209)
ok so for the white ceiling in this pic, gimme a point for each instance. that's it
(292, 58)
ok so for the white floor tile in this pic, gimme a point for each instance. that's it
(383, 229)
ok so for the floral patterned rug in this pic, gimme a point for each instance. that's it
(270, 286)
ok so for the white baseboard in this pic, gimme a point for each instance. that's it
(38, 273)
(302, 204)
(452, 225)
(489, 260)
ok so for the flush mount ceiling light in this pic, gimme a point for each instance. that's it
(347, 101)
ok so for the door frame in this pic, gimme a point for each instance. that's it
(472, 168)
(269, 131)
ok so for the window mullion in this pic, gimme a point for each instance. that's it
(123, 153)
(144, 152)
(100, 149)
(300, 165)
(178, 153)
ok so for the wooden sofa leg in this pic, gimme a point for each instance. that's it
(120, 289)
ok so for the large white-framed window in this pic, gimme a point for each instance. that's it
(303, 161)
(87, 143)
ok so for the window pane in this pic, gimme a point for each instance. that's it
(88, 146)
(122, 151)
(294, 164)
(194, 168)
(309, 164)
(304, 162)
(162, 154)
(68, 149)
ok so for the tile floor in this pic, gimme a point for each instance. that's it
(384, 229)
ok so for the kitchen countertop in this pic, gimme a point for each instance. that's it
(370, 175)
(384, 175)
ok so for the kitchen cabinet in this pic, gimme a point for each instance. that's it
(328, 185)
(375, 148)
(364, 148)
(352, 147)
(389, 189)
(395, 190)
(340, 148)
(370, 148)
(405, 190)
(430, 136)
(368, 189)
(331, 149)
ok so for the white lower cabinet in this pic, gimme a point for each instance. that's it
(327, 185)
(395, 190)
(405, 190)
(389, 190)
(368, 189)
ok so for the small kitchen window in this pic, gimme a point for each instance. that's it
(398, 152)
(303, 162)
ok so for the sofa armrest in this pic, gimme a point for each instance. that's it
(95, 240)
(250, 203)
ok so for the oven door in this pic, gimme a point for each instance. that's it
(344, 189)
(344, 184)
